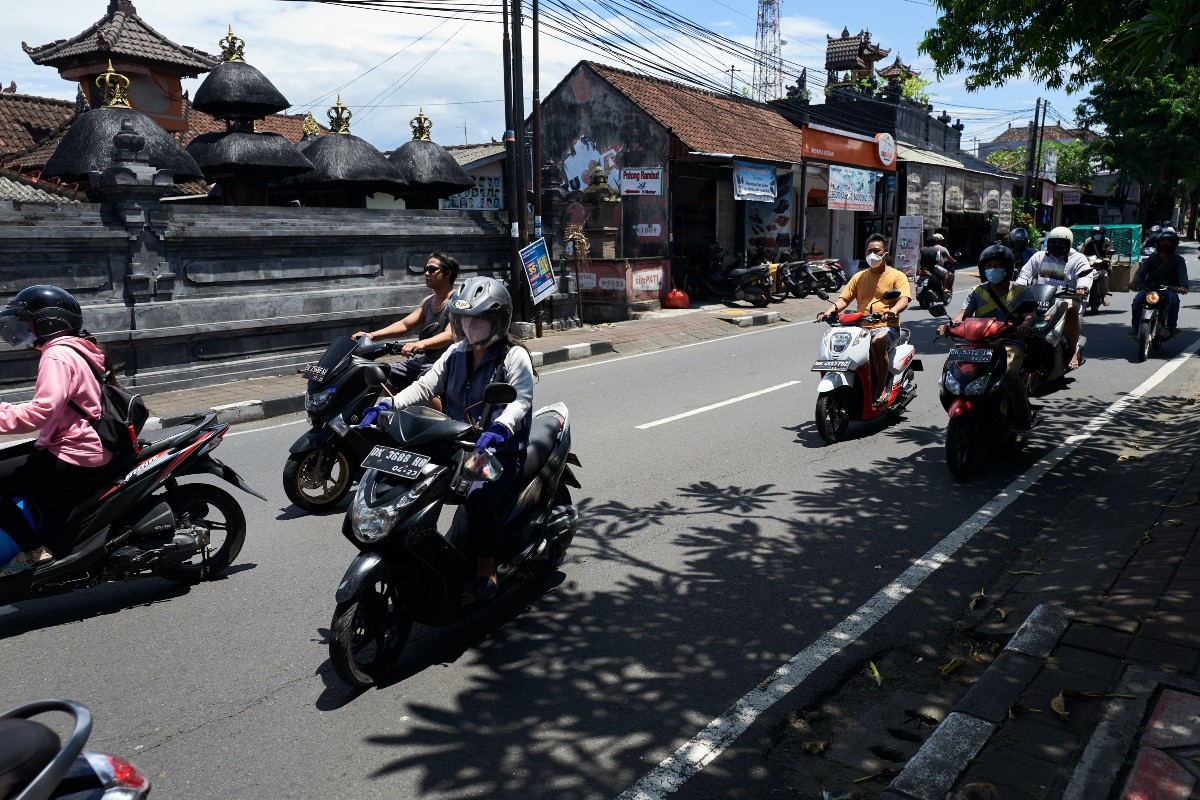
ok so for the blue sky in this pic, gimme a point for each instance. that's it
(387, 66)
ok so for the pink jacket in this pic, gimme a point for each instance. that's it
(63, 375)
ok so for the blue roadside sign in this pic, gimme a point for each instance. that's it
(536, 260)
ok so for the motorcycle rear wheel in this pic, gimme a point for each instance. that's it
(833, 416)
(368, 634)
(306, 484)
(218, 512)
(1144, 338)
(961, 447)
(558, 546)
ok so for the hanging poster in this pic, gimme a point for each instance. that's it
(851, 189)
(769, 225)
(536, 260)
(754, 182)
(908, 244)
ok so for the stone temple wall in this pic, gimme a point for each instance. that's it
(185, 296)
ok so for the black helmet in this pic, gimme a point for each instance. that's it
(43, 311)
(483, 298)
(1019, 237)
(1167, 235)
(1099, 229)
(997, 252)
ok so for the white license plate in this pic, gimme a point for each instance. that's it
(831, 365)
(401, 463)
(314, 372)
(974, 355)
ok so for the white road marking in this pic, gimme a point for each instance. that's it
(693, 756)
(7, 610)
(267, 428)
(729, 402)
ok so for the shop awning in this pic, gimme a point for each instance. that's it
(937, 184)
(906, 152)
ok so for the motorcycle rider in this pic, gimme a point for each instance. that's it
(867, 288)
(934, 258)
(67, 460)
(1018, 239)
(1148, 242)
(998, 298)
(1100, 246)
(432, 317)
(480, 314)
(1059, 265)
(1164, 267)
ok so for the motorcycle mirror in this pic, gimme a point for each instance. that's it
(497, 393)
(821, 294)
(375, 375)
(892, 295)
(938, 310)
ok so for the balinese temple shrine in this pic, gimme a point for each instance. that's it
(432, 173)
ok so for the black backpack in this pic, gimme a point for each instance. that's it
(122, 415)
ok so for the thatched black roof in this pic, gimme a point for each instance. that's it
(430, 170)
(87, 146)
(343, 162)
(246, 155)
(236, 90)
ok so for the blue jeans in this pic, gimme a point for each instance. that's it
(1139, 305)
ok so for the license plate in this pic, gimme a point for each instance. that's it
(974, 355)
(831, 365)
(314, 372)
(400, 463)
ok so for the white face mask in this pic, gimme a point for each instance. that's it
(874, 259)
(475, 329)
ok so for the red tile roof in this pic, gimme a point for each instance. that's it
(1053, 133)
(706, 122)
(851, 52)
(290, 126)
(15, 186)
(121, 33)
(26, 121)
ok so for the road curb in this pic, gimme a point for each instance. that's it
(750, 320)
(946, 754)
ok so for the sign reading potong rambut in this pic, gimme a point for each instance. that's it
(642, 181)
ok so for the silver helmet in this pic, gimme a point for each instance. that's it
(481, 298)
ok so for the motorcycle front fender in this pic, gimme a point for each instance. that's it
(834, 380)
(959, 407)
(312, 439)
(214, 467)
(367, 569)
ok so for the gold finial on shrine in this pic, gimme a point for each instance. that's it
(310, 127)
(232, 47)
(421, 126)
(339, 117)
(114, 88)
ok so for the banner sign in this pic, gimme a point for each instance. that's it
(908, 245)
(641, 181)
(536, 260)
(851, 189)
(754, 182)
(487, 195)
(1072, 198)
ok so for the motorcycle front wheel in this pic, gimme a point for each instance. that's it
(833, 416)
(201, 505)
(1145, 337)
(315, 481)
(961, 447)
(367, 635)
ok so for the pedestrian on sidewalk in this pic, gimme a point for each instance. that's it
(431, 319)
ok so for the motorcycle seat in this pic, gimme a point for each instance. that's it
(543, 435)
(160, 440)
(735, 274)
(26, 747)
(905, 336)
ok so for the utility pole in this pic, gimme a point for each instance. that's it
(511, 152)
(1030, 149)
(732, 69)
(536, 166)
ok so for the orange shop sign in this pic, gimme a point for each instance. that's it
(828, 144)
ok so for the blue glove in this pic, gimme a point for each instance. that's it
(372, 413)
(492, 437)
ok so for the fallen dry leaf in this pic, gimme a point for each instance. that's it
(1194, 501)
(982, 593)
(884, 773)
(1174, 523)
(873, 672)
(1144, 540)
(951, 665)
(1059, 706)
(1127, 457)
(1003, 614)
(1024, 572)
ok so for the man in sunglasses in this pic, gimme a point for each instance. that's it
(430, 319)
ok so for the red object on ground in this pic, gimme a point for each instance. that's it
(676, 299)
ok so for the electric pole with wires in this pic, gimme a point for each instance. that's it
(768, 51)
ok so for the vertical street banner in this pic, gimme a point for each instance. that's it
(536, 260)
(908, 244)
(754, 182)
(851, 189)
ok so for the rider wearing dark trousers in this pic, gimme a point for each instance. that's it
(1164, 267)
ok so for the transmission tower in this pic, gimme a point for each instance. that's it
(768, 52)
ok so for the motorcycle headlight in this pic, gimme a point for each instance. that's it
(978, 386)
(372, 523)
(1152, 298)
(950, 383)
(318, 401)
(839, 341)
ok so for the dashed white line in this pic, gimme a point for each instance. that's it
(728, 402)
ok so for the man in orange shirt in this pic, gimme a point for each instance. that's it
(867, 288)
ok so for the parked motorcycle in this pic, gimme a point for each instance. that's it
(972, 390)
(322, 465)
(1101, 267)
(845, 392)
(1152, 331)
(406, 571)
(36, 765)
(147, 522)
(803, 278)
(734, 283)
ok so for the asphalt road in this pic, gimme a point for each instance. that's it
(714, 548)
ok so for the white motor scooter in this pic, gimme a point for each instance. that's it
(845, 392)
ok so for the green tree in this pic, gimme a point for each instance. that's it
(1167, 36)
(1074, 161)
(996, 41)
(1149, 132)
(1010, 160)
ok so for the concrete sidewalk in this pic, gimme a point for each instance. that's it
(1096, 694)
(263, 398)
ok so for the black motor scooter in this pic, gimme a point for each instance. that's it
(736, 282)
(406, 571)
(322, 465)
(145, 522)
(36, 765)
